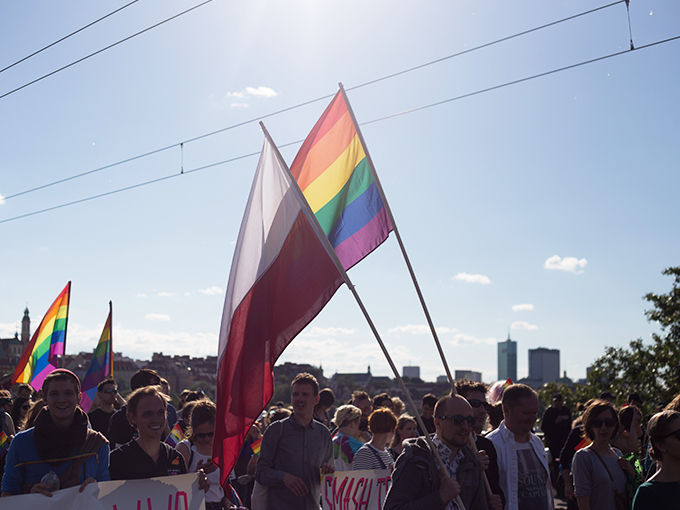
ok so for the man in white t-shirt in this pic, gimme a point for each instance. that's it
(522, 461)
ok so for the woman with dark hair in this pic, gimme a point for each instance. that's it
(373, 455)
(406, 429)
(326, 401)
(18, 413)
(630, 431)
(197, 450)
(598, 470)
(60, 445)
(662, 490)
(33, 412)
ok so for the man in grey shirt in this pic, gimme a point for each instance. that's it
(295, 452)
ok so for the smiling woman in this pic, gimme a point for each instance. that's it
(60, 443)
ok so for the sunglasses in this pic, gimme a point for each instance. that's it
(676, 434)
(609, 423)
(204, 435)
(25, 408)
(477, 403)
(458, 420)
(110, 390)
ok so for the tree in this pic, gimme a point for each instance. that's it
(651, 370)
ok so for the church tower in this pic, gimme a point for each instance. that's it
(25, 328)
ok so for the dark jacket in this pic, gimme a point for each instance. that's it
(416, 480)
(492, 474)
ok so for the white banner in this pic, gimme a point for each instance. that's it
(165, 493)
(355, 490)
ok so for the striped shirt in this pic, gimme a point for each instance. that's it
(368, 457)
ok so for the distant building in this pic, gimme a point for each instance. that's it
(468, 374)
(410, 372)
(507, 360)
(544, 365)
(442, 379)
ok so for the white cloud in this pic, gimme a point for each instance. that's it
(523, 325)
(2, 199)
(473, 278)
(8, 330)
(419, 329)
(253, 91)
(317, 332)
(239, 105)
(141, 295)
(165, 294)
(157, 317)
(462, 339)
(211, 291)
(570, 264)
(522, 307)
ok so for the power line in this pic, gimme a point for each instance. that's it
(67, 36)
(497, 41)
(104, 49)
(439, 103)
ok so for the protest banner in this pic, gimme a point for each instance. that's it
(355, 490)
(165, 493)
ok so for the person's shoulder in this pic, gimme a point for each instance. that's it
(125, 449)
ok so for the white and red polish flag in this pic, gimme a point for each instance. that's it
(281, 278)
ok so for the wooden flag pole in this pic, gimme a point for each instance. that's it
(331, 252)
(401, 244)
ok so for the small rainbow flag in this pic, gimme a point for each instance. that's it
(256, 446)
(4, 444)
(584, 442)
(48, 342)
(175, 437)
(336, 177)
(101, 366)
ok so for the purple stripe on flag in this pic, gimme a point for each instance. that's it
(367, 239)
(38, 379)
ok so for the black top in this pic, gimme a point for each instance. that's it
(429, 425)
(120, 430)
(99, 420)
(130, 462)
(492, 474)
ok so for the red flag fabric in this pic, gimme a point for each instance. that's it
(281, 278)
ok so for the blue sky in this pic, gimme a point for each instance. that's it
(547, 208)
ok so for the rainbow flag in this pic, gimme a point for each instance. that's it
(4, 444)
(175, 437)
(256, 446)
(48, 342)
(336, 176)
(101, 366)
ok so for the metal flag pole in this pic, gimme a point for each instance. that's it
(331, 253)
(401, 244)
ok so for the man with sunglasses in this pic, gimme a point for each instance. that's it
(417, 482)
(100, 417)
(522, 461)
(475, 393)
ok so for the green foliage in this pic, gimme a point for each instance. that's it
(651, 370)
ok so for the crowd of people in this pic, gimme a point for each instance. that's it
(478, 448)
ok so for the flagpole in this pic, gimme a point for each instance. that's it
(331, 252)
(401, 244)
(410, 268)
(111, 339)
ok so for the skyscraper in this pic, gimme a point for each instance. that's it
(544, 365)
(507, 360)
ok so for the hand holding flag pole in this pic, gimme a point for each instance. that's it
(331, 252)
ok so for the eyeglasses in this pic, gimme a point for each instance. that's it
(609, 423)
(204, 435)
(110, 390)
(458, 419)
(477, 403)
(676, 434)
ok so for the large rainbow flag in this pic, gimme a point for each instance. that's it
(101, 366)
(336, 177)
(48, 342)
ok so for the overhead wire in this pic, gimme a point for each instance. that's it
(67, 36)
(104, 49)
(439, 103)
(257, 119)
